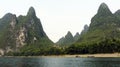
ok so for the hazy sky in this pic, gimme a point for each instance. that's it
(58, 16)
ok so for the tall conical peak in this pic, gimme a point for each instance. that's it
(86, 27)
(117, 12)
(31, 11)
(76, 37)
(8, 15)
(103, 5)
(77, 33)
(69, 33)
(104, 10)
(101, 17)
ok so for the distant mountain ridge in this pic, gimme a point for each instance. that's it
(68, 39)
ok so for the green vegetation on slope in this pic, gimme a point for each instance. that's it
(102, 35)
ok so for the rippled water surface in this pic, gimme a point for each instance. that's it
(59, 62)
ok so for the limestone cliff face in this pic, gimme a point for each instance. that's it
(15, 32)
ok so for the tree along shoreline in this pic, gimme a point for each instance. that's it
(106, 46)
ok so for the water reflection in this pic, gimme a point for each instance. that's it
(18, 62)
(59, 62)
(105, 62)
(28, 62)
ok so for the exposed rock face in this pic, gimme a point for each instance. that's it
(15, 32)
(1, 52)
(21, 36)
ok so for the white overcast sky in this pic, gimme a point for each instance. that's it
(58, 16)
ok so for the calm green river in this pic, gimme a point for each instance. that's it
(59, 62)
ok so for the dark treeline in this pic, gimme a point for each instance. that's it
(31, 51)
(105, 46)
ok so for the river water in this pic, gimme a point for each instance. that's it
(59, 62)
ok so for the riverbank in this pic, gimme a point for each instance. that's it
(87, 55)
(77, 55)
